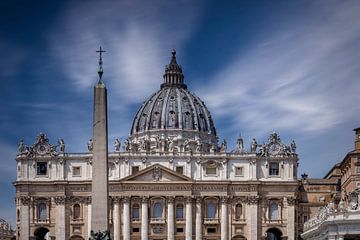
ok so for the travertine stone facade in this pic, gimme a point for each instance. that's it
(171, 180)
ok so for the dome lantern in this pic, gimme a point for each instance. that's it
(173, 75)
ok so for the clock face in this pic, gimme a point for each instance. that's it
(274, 149)
(42, 149)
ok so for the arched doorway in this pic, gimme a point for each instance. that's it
(239, 237)
(41, 234)
(273, 234)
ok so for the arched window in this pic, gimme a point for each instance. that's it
(158, 210)
(179, 211)
(42, 211)
(18, 215)
(211, 210)
(238, 211)
(76, 211)
(273, 211)
(135, 212)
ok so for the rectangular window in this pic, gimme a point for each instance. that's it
(211, 230)
(210, 170)
(136, 230)
(76, 171)
(358, 169)
(305, 218)
(135, 169)
(239, 171)
(179, 230)
(274, 169)
(41, 168)
(180, 169)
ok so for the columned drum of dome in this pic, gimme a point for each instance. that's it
(174, 113)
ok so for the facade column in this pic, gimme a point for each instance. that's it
(88, 201)
(24, 218)
(224, 218)
(144, 218)
(198, 222)
(253, 217)
(126, 220)
(188, 223)
(291, 217)
(60, 232)
(116, 217)
(170, 218)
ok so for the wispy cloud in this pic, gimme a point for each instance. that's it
(304, 77)
(137, 34)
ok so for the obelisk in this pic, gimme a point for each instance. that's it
(100, 192)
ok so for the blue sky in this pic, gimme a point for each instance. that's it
(288, 66)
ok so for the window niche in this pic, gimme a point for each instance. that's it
(41, 168)
(239, 171)
(274, 213)
(274, 169)
(76, 171)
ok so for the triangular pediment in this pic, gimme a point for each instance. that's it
(157, 173)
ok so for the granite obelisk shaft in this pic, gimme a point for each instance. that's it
(100, 192)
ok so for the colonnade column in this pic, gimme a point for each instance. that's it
(88, 201)
(144, 218)
(188, 223)
(198, 220)
(24, 218)
(126, 220)
(60, 217)
(224, 218)
(170, 218)
(116, 217)
(254, 218)
(291, 217)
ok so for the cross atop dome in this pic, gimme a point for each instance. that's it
(173, 75)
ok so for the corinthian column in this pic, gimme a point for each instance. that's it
(188, 223)
(24, 218)
(198, 222)
(224, 218)
(88, 202)
(126, 220)
(170, 218)
(253, 215)
(291, 217)
(60, 217)
(144, 218)
(116, 218)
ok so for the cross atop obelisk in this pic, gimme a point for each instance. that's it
(101, 71)
(100, 192)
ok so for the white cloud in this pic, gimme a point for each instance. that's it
(138, 36)
(304, 77)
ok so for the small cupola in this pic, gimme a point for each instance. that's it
(173, 75)
(357, 138)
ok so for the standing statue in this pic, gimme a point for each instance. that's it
(127, 145)
(90, 145)
(223, 146)
(22, 147)
(240, 144)
(61, 143)
(293, 146)
(117, 145)
(254, 145)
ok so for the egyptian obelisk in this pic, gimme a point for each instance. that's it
(100, 192)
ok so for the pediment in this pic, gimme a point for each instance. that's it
(157, 173)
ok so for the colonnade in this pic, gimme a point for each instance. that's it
(170, 219)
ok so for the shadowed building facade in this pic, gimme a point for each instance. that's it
(170, 179)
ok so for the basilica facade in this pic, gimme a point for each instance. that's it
(170, 179)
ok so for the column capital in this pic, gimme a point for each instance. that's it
(224, 199)
(88, 200)
(59, 200)
(126, 199)
(144, 199)
(291, 201)
(253, 200)
(189, 199)
(198, 199)
(25, 200)
(170, 199)
(116, 199)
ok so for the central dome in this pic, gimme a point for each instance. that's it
(173, 111)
